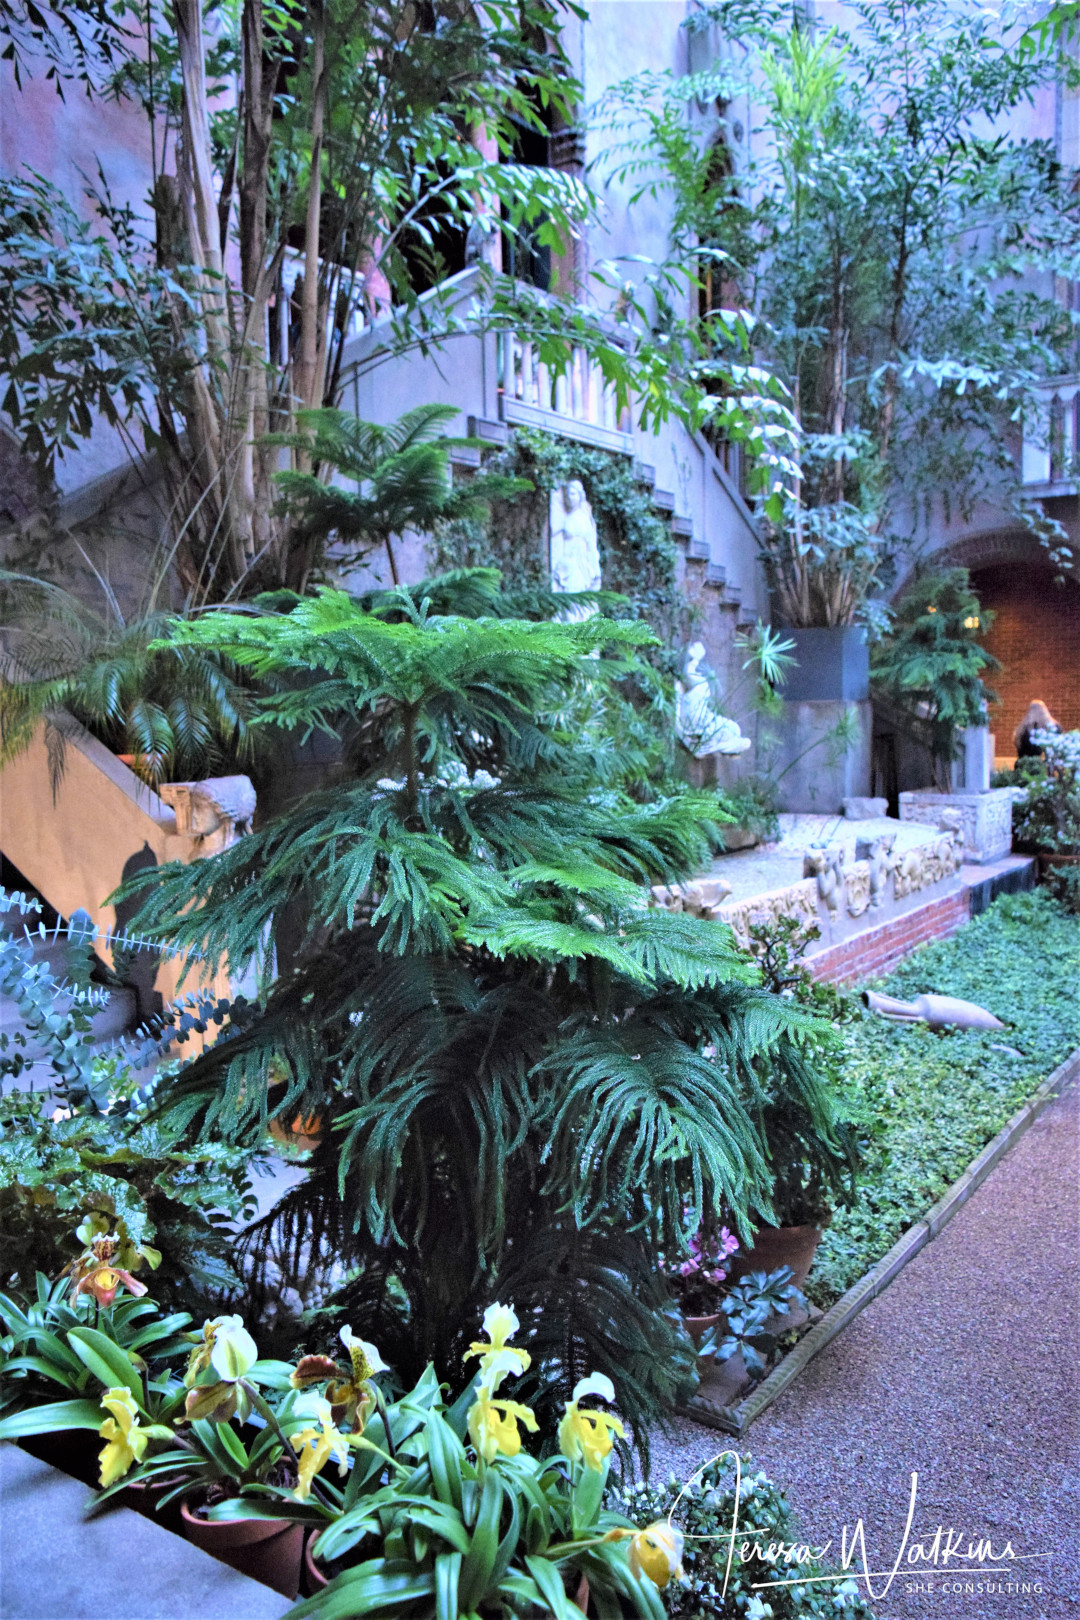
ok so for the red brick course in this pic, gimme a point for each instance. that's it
(879, 949)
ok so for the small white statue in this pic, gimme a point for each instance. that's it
(702, 728)
(575, 554)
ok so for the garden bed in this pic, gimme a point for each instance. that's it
(931, 1102)
(940, 1109)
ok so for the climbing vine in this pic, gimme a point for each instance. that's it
(637, 552)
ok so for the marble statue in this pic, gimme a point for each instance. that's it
(701, 726)
(827, 867)
(575, 554)
(215, 812)
(937, 1011)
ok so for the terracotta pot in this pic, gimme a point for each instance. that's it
(315, 1577)
(269, 1550)
(1047, 862)
(776, 1246)
(303, 1134)
(698, 1326)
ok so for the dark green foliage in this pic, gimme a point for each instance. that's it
(402, 476)
(929, 667)
(811, 1177)
(529, 1078)
(183, 1197)
(637, 552)
(181, 711)
(928, 1103)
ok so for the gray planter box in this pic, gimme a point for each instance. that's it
(834, 665)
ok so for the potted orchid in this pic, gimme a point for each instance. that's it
(445, 1510)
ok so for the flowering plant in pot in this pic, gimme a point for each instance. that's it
(696, 1280)
(444, 1510)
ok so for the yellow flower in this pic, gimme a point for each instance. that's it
(127, 1441)
(315, 1446)
(497, 1358)
(588, 1435)
(493, 1425)
(657, 1552)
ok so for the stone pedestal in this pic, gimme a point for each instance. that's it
(985, 818)
(976, 760)
(814, 774)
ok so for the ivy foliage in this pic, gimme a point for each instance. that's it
(932, 1101)
(529, 1079)
(637, 553)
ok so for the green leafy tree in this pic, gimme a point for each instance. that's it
(929, 668)
(403, 481)
(331, 162)
(530, 1079)
(181, 712)
(899, 261)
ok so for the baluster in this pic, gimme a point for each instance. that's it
(576, 401)
(592, 380)
(561, 392)
(543, 386)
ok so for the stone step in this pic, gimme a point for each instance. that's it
(57, 1564)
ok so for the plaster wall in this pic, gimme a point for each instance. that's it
(103, 825)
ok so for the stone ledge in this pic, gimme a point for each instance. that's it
(57, 1564)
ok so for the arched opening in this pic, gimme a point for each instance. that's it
(1035, 636)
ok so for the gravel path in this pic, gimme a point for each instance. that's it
(965, 1371)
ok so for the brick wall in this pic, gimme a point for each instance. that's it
(1036, 637)
(879, 949)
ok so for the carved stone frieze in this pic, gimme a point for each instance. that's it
(985, 818)
(799, 900)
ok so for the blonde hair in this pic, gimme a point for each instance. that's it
(1038, 718)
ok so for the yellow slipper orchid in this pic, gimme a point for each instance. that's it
(315, 1446)
(127, 1439)
(497, 1357)
(493, 1425)
(656, 1552)
(588, 1436)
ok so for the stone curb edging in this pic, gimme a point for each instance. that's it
(738, 1418)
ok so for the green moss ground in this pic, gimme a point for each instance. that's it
(928, 1103)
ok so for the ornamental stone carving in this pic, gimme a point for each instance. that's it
(857, 888)
(927, 864)
(800, 900)
(699, 899)
(214, 812)
(878, 854)
(826, 866)
(986, 818)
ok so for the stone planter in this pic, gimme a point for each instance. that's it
(834, 665)
(985, 819)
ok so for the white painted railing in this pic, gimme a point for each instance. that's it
(1052, 440)
(578, 402)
